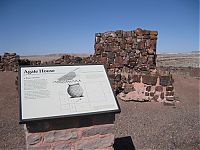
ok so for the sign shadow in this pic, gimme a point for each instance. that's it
(124, 143)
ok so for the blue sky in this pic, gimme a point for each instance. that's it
(69, 26)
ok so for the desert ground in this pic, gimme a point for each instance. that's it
(149, 125)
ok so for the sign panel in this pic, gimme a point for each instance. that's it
(63, 91)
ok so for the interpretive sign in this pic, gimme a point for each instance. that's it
(63, 91)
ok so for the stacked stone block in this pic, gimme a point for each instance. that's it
(143, 88)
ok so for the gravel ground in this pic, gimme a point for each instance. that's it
(155, 126)
(12, 134)
(150, 125)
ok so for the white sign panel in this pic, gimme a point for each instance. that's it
(58, 91)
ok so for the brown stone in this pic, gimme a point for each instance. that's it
(169, 88)
(149, 79)
(100, 129)
(119, 60)
(104, 54)
(153, 44)
(60, 135)
(146, 32)
(136, 78)
(159, 88)
(40, 147)
(154, 33)
(33, 138)
(168, 103)
(103, 60)
(153, 37)
(117, 77)
(129, 40)
(62, 146)
(139, 31)
(96, 142)
(165, 80)
(155, 97)
(151, 93)
(108, 49)
(169, 93)
(141, 45)
(128, 88)
(98, 47)
(170, 98)
(162, 95)
(110, 55)
(111, 73)
(146, 93)
(150, 51)
(148, 88)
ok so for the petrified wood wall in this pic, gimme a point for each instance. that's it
(133, 49)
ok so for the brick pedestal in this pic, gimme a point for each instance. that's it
(76, 133)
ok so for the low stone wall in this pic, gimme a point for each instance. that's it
(158, 88)
(91, 132)
(9, 62)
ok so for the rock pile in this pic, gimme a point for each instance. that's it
(9, 62)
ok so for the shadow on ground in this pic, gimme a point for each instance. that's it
(125, 143)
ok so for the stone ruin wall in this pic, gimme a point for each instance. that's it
(130, 60)
(135, 50)
(11, 62)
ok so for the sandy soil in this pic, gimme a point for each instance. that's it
(149, 125)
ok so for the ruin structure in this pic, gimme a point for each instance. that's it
(130, 60)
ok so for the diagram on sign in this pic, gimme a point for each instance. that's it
(73, 93)
(74, 88)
